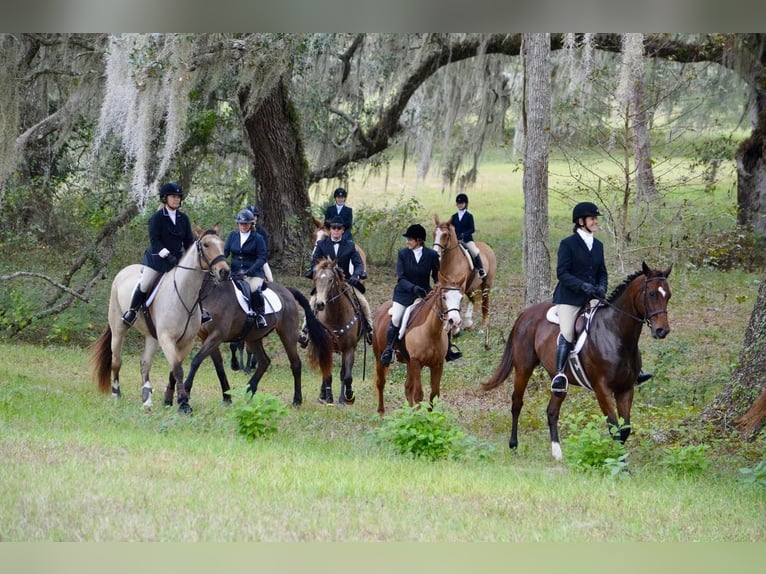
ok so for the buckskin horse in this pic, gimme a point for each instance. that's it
(425, 340)
(454, 262)
(231, 323)
(171, 321)
(609, 357)
(339, 311)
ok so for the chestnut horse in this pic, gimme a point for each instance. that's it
(425, 341)
(231, 323)
(609, 357)
(339, 311)
(171, 322)
(454, 262)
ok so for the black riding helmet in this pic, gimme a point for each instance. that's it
(340, 192)
(245, 216)
(415, 231)
(461, 198)
(584, 209)
(254, 210)
(170, 188)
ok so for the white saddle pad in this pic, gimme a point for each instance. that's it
(406, 318)
(272, 301)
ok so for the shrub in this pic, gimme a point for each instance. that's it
(686, 460)
(593, 447)
(431, 433)
(755, 474)
(259, 416)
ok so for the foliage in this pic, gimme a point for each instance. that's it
(379, 230)
(259, 416)
(430, 433)
(755, 474)
(686, 460)
(591, 447)
(736, 248)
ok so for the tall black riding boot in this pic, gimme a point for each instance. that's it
(259, 306)
(453, 351)
(479, 267)
(559, 383)
(387, 356)
(129, 316)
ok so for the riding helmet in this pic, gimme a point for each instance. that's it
(340, 192)
(245, 216)
(461, 198)
(170, 188)
(584, 209)
(415, 231)
(254, 209)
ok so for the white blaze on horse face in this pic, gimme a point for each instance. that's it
(663, 293)
(452, 299)
(438, 240)
(323, 282)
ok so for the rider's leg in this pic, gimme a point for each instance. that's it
(397, 312)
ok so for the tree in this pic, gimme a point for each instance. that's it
(537, 122)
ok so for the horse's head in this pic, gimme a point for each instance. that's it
(328, 282)
(653, 300)
(444, 236)
(210, 249)
(450, 295)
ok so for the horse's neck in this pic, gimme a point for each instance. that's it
(427, 316)
(621, 318)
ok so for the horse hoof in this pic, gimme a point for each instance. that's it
(350, 400)
(234, 365)
(326, 401)
(185, 409)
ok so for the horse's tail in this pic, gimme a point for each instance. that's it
(320, 352)
(505, 367)
(101, 360)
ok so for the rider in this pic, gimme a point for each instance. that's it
(340, 209)
(344, 253)
(415, 266)
(170, 234)
(261, 230)
(582, 276)
(248, 255)
(464, 229)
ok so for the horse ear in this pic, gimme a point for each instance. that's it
(217, 228)
(667, 271)
(198, 231)
(437, 221)
(645, 268)
(317, 223)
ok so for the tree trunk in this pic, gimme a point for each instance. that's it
(642, 151)
(738, 405)
(279, 169)
(537, 116)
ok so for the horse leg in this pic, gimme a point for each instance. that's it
(208, 346)
(234, 347)
(520, 381)
(150, 348)
(380, 384)
(436, 379)
(346, 378)
(289, 338)
(116, 362)
(608, 409)
(263, 364)
(624, 402)
(553, 410)
(468, 315)
(250, 363)
(485, 308)
(217, 358)
(413, 385)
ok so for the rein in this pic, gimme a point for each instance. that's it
(343, 291)
(647, 318)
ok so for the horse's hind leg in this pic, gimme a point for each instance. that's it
(150, 348)
(215, 356)
(235, 349)
(263, 364)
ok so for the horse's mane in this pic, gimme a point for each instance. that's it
(624, 285)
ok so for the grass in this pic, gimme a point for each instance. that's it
(79, 466)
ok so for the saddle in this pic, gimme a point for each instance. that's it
(582, 326)
(272, 302)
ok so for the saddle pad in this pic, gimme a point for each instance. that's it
(153, 294)
(406, 317)
(553, 316)
(273, 303)
(468, 256)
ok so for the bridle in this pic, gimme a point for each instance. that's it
(343, 290)
(444, 249)
(205, 264)
(647, 318)
(435, 295)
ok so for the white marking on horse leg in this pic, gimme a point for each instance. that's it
(116, 388)
(556, 450)
(468, 320)
(146, 395)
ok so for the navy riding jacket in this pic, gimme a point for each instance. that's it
(411, 274)
(164, 234)
(577, 265)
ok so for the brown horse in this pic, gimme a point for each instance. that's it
(171, 321)
(454, 262)
(609, 357)
(231, 323)
(425, 341)
(339, 311)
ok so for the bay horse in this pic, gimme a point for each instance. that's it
(231, 323)
(171, 322)
(609, 357)
(339, 311)
(454, 262)
(425, 341)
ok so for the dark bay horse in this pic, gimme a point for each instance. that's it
(425, 341)
(609, 358)
(230, 323)
(339, 311)
(171, 322)
(454, 263)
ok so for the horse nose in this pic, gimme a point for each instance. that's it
(320, 305)
(224, 274)
(661, 333)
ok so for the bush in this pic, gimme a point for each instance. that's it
(431, 433)
(755, 475)
(593, 447)
(686, 460)
(259, 416)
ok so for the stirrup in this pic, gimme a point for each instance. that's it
(482, 273)
(129, 317)
(387, 356)
(303, 339)
(643, 377)
(260, 321)
(206, 318)
(368, 337)
(560, 383)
